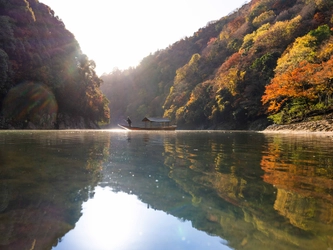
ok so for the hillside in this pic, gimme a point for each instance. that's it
(269, 61)
(45, 80)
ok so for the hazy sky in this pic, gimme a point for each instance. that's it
(119, 34)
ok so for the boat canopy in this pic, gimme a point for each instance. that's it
(155, 122)
(152, 123)
(155, 119)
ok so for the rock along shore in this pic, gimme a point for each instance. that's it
(320, 126)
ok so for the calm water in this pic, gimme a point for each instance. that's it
(96, 190)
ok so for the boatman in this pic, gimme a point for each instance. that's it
(129, 121)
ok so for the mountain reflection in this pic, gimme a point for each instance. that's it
(227, 189)
(252, 190)
(237, 186)
(44, 179)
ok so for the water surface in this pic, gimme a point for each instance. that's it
(165, 190)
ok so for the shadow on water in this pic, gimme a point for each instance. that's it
(253, 190)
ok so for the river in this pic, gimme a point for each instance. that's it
(111, 189)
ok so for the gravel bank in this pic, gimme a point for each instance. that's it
(321, 126)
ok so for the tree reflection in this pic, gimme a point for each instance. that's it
(302, 174)
(253, 190)
(241, 187)
(45, 178)
(226, 187)
(213, 181)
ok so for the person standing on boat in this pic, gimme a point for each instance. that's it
(129, 121)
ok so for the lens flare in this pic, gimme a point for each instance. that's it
(32, 102)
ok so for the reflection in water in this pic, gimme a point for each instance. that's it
(302, 173)
(120, 221)
(187, 190)
(43, 181)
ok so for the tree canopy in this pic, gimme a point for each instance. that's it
(37, 51)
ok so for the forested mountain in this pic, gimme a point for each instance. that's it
(45, 80)
(268, 59)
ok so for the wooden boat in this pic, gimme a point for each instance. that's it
(142, 128)
(152, 123)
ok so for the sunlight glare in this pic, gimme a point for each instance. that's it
(119, 34)
(114, 222)
(120, 221)
(108, 222)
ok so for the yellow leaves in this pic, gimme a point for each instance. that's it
(187, 69)
(170, 112)
(30, 10)
(293, 24)
(180, 113)
(251, 38)
(271, 35)
(194, 59)
(322, 3)
(280, 31)
(263, 17)
(221, 104)
(224, 35)
(303, 49)
(297, 74)
(326, 51)
(180, 75)
(230, 79)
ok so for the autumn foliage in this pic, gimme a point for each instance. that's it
(308, 81)
(268, 59)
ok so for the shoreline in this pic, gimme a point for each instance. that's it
(320, 127)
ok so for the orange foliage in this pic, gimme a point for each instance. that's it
(293, 176)
(229, 74)
(254, 3)
(326, 50)
(211, 41)
(231, 62)
(307, 80)
(319, 17)
(282, 88)
(236, 24)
